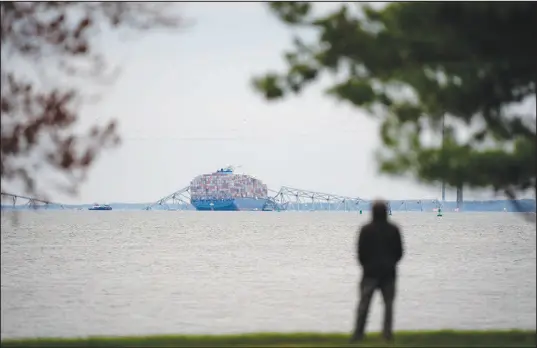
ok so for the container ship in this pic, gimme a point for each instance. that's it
(224, 190)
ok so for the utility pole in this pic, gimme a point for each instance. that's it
(443, 181)
(460, 198)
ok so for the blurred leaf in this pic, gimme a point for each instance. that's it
(436, 59)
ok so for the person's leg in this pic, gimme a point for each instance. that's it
(387, 287)
(367, 289)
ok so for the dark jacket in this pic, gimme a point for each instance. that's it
(380, 247)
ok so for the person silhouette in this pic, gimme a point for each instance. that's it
(379, 249)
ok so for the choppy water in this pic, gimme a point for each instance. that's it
(120, 273)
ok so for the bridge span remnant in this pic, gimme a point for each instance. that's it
(294, 199)
(298, 199)
(28, 201)
(178, 200)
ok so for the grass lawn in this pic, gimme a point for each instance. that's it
(492, 338)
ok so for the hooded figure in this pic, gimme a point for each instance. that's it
(379, 211)
(379, 250)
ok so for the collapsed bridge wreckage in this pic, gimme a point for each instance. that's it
(293, 199)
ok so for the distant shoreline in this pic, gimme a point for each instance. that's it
(527, 205)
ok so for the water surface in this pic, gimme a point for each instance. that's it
(121, 273)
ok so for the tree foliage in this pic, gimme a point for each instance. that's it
(414, 64)
(39, 121)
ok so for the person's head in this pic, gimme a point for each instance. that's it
(379, 208)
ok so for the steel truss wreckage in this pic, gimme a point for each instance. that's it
(288, 198)
(29, 201)
(178, 200)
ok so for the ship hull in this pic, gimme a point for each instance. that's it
(100, 208)
(236, 204)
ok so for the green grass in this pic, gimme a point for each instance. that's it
(494, 338)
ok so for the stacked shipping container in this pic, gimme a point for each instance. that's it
(227, 186)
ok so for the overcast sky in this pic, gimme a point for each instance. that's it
(186, 107)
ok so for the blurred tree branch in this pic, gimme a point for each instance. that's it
(38, 122)
(410, 65)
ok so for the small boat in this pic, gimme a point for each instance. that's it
(100, 207)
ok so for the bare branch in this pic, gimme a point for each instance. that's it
(38, 124)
